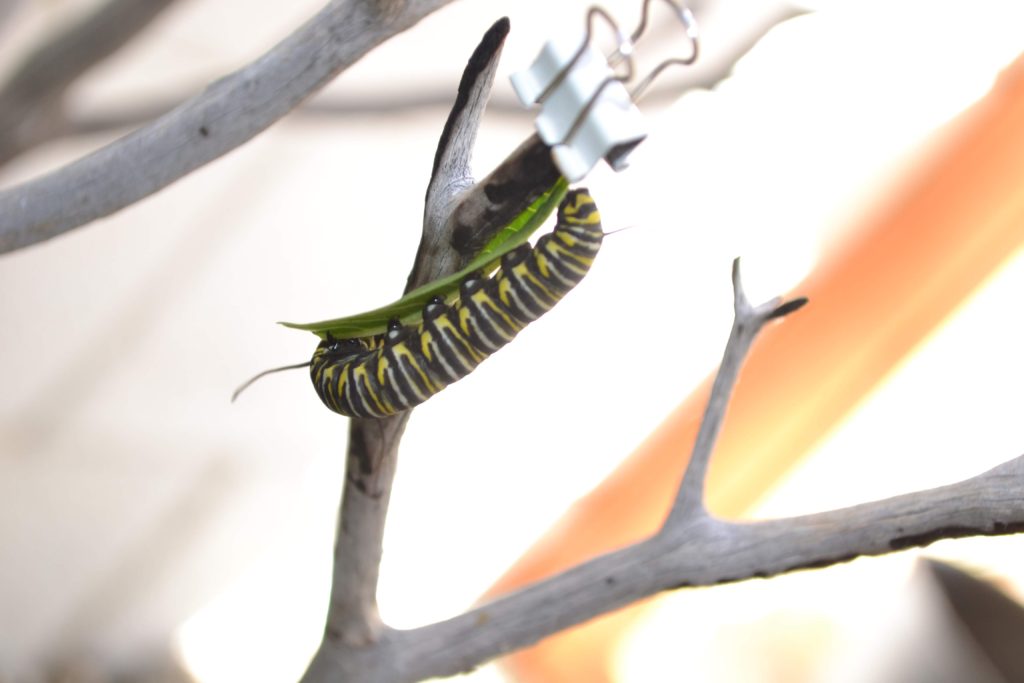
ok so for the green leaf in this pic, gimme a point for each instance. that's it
(409, 309)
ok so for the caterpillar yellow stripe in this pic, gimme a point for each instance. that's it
(393, 372)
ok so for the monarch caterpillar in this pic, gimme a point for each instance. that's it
(377, 375)
(392, 372)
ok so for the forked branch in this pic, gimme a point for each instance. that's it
(692, 549)
(747, 322)
(352, 618)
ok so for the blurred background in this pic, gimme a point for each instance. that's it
(864, 153)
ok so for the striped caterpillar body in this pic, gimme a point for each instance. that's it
(389, 373)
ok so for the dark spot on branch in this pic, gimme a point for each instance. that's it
(915, 540)
(929, 537)
(357, 447)
(513, 186)
(204, 131)
(1007, 527)
(499, 193)
(467, 668)
(359, 484)
(360, 461)
(609, 580)
(821, 563)
(764, 573)
(788, 307)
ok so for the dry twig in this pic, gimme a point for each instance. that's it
(222, 117)
(691, 549)
(239, 106)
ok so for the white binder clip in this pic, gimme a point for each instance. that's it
(586, 111)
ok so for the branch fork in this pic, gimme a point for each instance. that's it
(692, 548)
(747, 322)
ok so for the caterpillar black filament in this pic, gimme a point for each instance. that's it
(395, 371)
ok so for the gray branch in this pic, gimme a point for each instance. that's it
(451, 178)
(352, 616)
(228, 113)
(737, 34)
(353, 621)
(704, 551)
(747, 322)
(691, 549)
(239, 106)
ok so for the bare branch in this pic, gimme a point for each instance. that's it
(747, 322)
(716, 64)
(353, 623)
(32, 101)
(703, 553)
(691, 549)
(228, 113)
(451, 175)
(352, 617)
(241, 105)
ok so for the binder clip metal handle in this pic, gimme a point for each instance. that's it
(587, 113)
(686, 18)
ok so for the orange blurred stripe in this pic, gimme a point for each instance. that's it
(872, 302)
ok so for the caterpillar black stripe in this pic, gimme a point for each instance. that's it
(395, 371)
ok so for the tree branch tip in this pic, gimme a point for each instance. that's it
(502, 26)
(490, 43)
(740, 301)
(788, 307)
